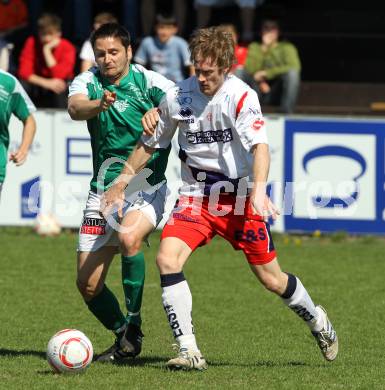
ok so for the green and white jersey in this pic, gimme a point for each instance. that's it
(115, 132)
(13, 100)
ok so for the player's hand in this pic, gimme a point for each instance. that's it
(263, 206)
(112, 200)
(19, 157)
(56, 85)
(150, 120)
(107, 100)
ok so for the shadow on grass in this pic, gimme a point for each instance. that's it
(262, 363)
(152, 361)
(4, 352)
(46, 372)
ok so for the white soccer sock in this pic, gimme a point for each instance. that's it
(298, 299)
(177, 302)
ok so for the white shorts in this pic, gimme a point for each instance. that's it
(96, 232)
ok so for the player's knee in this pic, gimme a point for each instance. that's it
(167, 264)
(130, 244)
(87, 289)
(271, 283)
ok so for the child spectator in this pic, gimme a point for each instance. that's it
(165, 53)
(47, 63)
(86, 55)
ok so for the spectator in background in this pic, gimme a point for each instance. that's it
(165, 53)
(14, 100)
(247, 10)
(13, 31)
(240, 51)
(47, 64)
(148, 12)
(273, 68)
(13, 16)
(5, 51)
(86, 55)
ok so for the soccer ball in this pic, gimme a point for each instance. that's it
(69, 351)
(47, 225)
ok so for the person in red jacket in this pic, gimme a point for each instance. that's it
(47, 63)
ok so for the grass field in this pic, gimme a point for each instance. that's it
(248, 337)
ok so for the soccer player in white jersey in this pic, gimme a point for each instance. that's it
(222, 138)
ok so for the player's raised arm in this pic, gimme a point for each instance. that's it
(80, 107)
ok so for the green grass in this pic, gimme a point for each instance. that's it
(249, 338)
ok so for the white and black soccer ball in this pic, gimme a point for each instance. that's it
(47, 225)
(69, 350)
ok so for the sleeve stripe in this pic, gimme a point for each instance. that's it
(240, 104)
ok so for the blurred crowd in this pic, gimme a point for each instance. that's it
(46, 43)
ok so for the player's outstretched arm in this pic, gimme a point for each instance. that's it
(114, 196)
(261, 203)
(80, 107)
(19, 156)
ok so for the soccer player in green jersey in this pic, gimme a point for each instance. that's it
(113, 97)
(14, 100)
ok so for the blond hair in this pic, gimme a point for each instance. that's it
(215, 43)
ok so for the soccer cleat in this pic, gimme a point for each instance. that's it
(131, 342)
(114, 354)
(187, 360)
(327, 338)
(128, 346)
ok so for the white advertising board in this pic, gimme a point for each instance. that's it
(23, 190)
(325, 173)
(72, 169)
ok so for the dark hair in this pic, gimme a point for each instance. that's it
(270, 24)
(114, 30)
(165, 19)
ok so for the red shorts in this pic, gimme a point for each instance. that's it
(196, 222)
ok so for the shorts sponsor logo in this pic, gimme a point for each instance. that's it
(182, 217)
(94, 226)
(250, 235)
(210, 136)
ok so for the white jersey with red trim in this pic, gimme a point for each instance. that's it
(216, 133)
